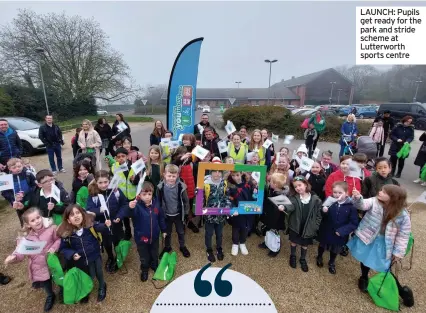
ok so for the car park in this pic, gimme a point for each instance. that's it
(102, 112)
(206, 109)
(399, 110)
(366, 112)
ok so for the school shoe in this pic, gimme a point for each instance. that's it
(128, 235)
(50, 301)
(398, 175)
(111, 266)
(407, 296)
(210, 256)
(262, 245)
(85, 299)
(234, 250)
(219, 254)
(344, 251)
(153, 267)
(144, 275)
(304, 265)
(363, 284)
(332, 268)
(320, 262)
(165, 250)
(102, 293)
(292, 261)
(185, 252)
(243, 249)
(273, 254)
(193, 227)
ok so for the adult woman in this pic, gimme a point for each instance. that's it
(402, 133)
(237, 150)
(256, 143)
(157, 133)
(349, 131)
(266, 135)
(89, 141)
(319, 124)
(421, 158)
(120, 128)
(105, 132)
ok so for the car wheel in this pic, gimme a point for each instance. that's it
(420, 125)
(361, 116)
(27, 149)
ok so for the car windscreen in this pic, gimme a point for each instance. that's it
(23, 124)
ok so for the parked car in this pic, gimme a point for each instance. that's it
(366, 112)
(300, 111)
(206, 109)
(102, 112)
(27, 130)
(399, 110)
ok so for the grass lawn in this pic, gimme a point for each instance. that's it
(76, 121)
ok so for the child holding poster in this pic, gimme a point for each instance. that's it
(302, 151)
(36, 232)
(316, 179)
(342, 174)
(154, 166)
(166, 151)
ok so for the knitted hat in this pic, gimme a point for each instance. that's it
(303, 149)
(216, 160)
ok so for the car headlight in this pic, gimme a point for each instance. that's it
(33, 136)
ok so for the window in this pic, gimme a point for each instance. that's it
(23, 124)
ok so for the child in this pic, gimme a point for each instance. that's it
(310, 135)
(339, 220)
(241, 224)
(304, 219)
(83, 176)
(24, 184)
(361, 159)
(36, 231)
(326, 163)
(74, 143)
(382, 176)
(198, 140)
(316, 179)
(342, 174)
(377, 133)
(42, 195)
(174, 199)
(116, 203)
(28, 165)
(272, 217)
(128, 183)
(382, 235)
(282, 167)
(154, 167)
(133, 152)
(165, 149)
(301, 152)
(148, 221)
(80, 244)
(215, 196)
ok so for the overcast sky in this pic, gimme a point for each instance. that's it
(238, 36)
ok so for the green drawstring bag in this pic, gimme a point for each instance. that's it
(90, 150)
(82, 196)
(57, 219)
(122, 251)
(383, 290)
(404, 152)
(423, 173)
(410, 244)
(166, 269)
(55, 269)
(77, 285)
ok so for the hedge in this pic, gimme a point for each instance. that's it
(280, 121)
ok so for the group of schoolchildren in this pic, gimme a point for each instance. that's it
(369, 209)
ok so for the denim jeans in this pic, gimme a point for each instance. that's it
(56, 149)
(210, 229)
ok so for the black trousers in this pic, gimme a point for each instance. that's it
(94, 269)
(177, 221)
(394, 161)
(382, 147)
(148, 254)
(239, 235)
(109, 241)
(314, 146)
(47, 286)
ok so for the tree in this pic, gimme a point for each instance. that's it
(154, 93)
(6, 104)
(361, 76)
(77, 63)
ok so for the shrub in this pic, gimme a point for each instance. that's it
(280, 121)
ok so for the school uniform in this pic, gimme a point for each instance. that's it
(317, 184)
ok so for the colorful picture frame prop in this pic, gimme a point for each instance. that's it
(244, 207)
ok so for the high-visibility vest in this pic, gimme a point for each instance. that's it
(125, 185)
(165, 151)
(262, 155)
(239, 157)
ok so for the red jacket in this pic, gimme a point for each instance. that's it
(339, 176)
(187, 176)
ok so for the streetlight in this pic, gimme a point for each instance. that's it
(338, 96)
(331, 92)
(270, 71)
(418, 82)
(152, 102)
(238, 84)
(40, 51)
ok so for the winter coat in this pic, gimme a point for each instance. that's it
(212, 147)
(348, 131)
(37, 263)
(186, 174)
(154, 140)
(310, 136)
(421, 155)
(317, 184)
(117, 204)
(77, 184)
(237, 193)
(134, 155)
(93, 138)
(104, 131)
(27, 182)
(388, 124)
(148, 221)
(397, 232)
(41, 202)
(318, 125)
(183, 200)
(341, 218)
(331, 169)
(44, 135)
(271, 216)
(197, 130)
(339, 176)
(405, 133)
(372, 185)
(377, 134)
(295, 216)
(10, 145)
(116, 131)
(216, 195)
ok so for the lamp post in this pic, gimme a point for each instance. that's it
(331, 92)
(338, 96)
(270, 71)
(152, 102)
(418, 82)
(238, 84)
(40, 51)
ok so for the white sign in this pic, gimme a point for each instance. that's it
(306, 163)
(275, 137)
(250, 156)
(180, 138)
(329, 201)
(6, 182)
(56, 193)
(28, 247)
(316, 153)
(138, 166)
(294, 156)
(232, 100)
(104, 206)
(288, 139)
(144, 102)
(122, 127)
(277, 158)
(122, 168)
(138, 190)
(230, 128)
(256, 176)
(223, 147)
(200, 152)
(115, 181)
(165, 141)
(354, 170)
(200, 128)
(267, 143)
(174, 144)
(280, 200)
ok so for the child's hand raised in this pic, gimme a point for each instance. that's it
(235, 213)
(51, 250)
(132, 204)
(76, 257)
(19, 196)
(164, 235)
(324, 209)
(356, 194)
(117, 220)
(10, 259)
(50, 206)
(108, 223)
(281, 208)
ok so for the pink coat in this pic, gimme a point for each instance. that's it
(37, 264)
(377, 134)
(134, 155)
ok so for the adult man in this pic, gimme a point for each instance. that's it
(203, 123)
(210, 142)
(51, 135)
(10, 144)
(388, 124)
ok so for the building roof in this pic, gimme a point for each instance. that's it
(242, 93)
(305, 79)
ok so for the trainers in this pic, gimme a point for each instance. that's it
(417, 181)
(144, 275)
(243, 249)
(262, 245)
(304, 265)
(363, 284)
(234, 250)
(165, 250)
(219, 254)
(185, 252)
(407, 296)
(210, 256)
(423, 184)
(50, 301)
(62, 170)
(292, 261)
(55, 173)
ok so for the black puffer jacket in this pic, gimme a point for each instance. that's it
(405, 133)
